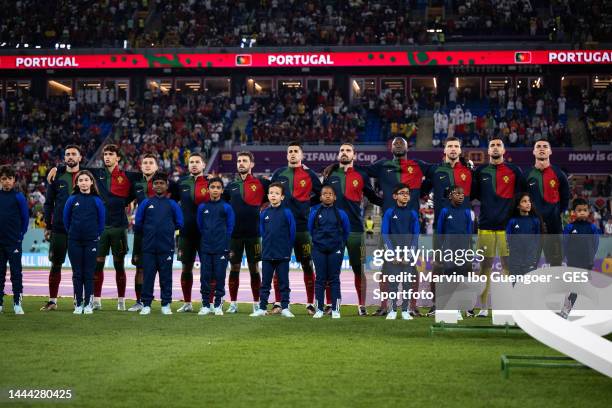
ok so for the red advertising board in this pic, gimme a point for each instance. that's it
(306, 59)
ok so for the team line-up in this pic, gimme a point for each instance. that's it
(85, 214)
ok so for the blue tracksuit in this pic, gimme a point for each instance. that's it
(277, 227)
(216, 222)
(84, 219)
(400, 228)
(14, 218)
(329, 228)
(523, 235)
(455, 228)
(580, 244)
(157, 218)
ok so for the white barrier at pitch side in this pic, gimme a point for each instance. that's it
(580, 336)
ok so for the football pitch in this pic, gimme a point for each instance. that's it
(122, 359)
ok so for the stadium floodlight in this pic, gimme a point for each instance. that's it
(3, 44)
(38, 46)
(26, 45)
(125, 44)
(68, 46)
(56, 46)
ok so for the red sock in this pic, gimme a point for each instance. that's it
(277, 294)
(213, 286)
(255, 285)
(383, 288)
(234, 283)
(121, 280)
(186, 285)
(360, 287)
(98, 281)
(55, 277)
(309, 283)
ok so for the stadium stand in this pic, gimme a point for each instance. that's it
(221, 23)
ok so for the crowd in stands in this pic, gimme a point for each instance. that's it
(495, 17)
(519, 117)
(597, 190)
(597, 114)
(581, 21)
(223, 23)
(90, 23)
(34, 132)
(314, 117)
(399, 116)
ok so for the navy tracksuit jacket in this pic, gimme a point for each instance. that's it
(216, 222)
(277, 227)
(84, 219)
(455, 228)
(523, 236)
(157, 219)
(400, 228)
(329, 228)
(14, 218)
(580, 244)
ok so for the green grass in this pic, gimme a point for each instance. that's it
(122, 359)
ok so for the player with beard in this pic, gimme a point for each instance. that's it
(453, 171)
(246, 194)
(351, 184)
(190, 191)
(494, 185)
(58, 192)
(115, 188)
(549, 188)
(302, 189)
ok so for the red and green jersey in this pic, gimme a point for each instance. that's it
(495, 186)
(350, 187)
(302, 189)
(440, 177)
(190, 191)
(389, 173)
(549, 191)
(143, 188)
(246, 198)
(115, 190)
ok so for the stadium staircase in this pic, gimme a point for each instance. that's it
(433, 13)
(580, 137)
(372, 129)
(425, 131)
(152, 23)
(242, 122)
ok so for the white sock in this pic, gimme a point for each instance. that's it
(233, 303)
(54, 300)
(97, 299)
(120, 300)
